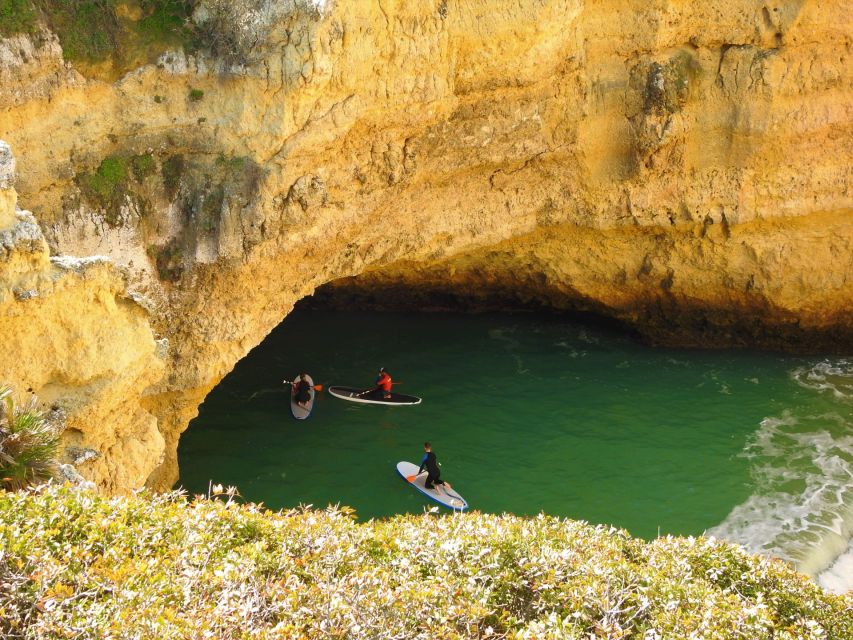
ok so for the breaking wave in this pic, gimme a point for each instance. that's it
(802, 506)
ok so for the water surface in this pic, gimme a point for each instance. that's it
(532, 414)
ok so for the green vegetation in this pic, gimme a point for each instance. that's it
(142, 166)
(196, 95)
(79, 565)
(28, 444)
(112, 182)
(88, 30)
(107, 185)
(92, 31)
(165, 21)
(17, 16)
(131, 32)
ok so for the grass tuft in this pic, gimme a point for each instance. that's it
(28, 444)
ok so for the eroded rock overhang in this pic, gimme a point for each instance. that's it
(684, 169)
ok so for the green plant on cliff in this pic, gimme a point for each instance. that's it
(93, 31)
(143, 166)
(88, 30)
(166, 21)
(17, 16)
(107, 185)
(28, 444)
(76, 564)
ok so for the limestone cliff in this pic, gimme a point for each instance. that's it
(73, 334)
(682, 167)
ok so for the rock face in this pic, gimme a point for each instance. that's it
(74, 335)
(8, 197)
(683, 168)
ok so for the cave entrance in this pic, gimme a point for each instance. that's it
(527, 412)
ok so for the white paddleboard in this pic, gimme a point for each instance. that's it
(441, 493)
(366, 396)
(301, 413)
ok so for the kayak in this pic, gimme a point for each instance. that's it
(441, 494)
(301, 413)
(365, 396)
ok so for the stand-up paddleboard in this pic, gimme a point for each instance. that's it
(301, 413)
(367, 396)
(441, 494)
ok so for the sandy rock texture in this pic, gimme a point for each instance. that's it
(74, 336)
(682, 167)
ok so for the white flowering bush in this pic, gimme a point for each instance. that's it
(77, 565)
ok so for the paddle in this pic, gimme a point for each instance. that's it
(358, 395)
(316, 387)
(412, 478)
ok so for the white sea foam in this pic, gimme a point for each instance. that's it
(839, 576)
(802, 507)
(835, 377)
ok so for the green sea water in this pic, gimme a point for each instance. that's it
(532, 414)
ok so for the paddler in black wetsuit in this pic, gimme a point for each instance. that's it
(302, 391)
(433, 472)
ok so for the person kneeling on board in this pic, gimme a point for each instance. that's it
(383, 384)
(429, 461)
(302, 391)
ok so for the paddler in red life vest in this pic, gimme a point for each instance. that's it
(383, 384)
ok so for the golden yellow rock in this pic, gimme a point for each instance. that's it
(682, 167)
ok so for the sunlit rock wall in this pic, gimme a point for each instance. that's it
(684, 167)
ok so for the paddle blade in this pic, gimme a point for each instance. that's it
(318, 387)
(411, 478)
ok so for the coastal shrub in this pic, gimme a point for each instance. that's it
(76, 564)
(196, 95)
(28, 444)
(17, 16)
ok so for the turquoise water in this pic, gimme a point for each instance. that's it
(532, 414)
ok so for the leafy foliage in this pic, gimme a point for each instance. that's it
(79, 565)
(28, 444)
(93, 31)
(17, 16)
